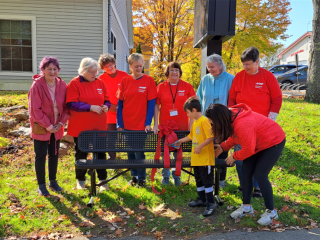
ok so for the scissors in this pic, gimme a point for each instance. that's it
(173, 145)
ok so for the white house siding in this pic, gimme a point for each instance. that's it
(122, 50)
(303, 56)
(67, 29)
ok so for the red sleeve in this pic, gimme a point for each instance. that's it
(119, 93)
(152, 90)
(247, 138)
(72, 92)
(232, 91)
(65, 114)
(158, 100)
(191, 91)
(275, 104)
(35, 107)
(106, 94)
(231, 102)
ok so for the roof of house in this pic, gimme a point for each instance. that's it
(307, 34)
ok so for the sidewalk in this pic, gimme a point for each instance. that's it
(313, 234)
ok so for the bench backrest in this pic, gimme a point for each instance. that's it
(124, 141)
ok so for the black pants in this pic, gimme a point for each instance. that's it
(41, 149)
(81, 173)
(112, 127)
(204, 182)
(260, 165)
(223, 174)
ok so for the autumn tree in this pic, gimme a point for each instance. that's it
(170, 22)
(259, 23)
(313, 81)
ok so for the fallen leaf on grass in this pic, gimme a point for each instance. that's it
(284, 208)
(142, 207)
(22, 217)
(230, 207)
(315, 179)
(295, 216)
(193, 211)
(158, 209)
(286, 198)
(68, 236)
(62, 218)
(265, 229)
(292, 168)
(87, 223)
(275, 222)
(41, 206)
(249, 230)
(158, 235)
(207, 220)
(100, 212)
(237, 220)
(118, 232)
(173, 197)
(116, 219)
(130, 212)
(153, 229)
(279, 229)
(305, 215)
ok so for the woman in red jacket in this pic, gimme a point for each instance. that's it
(257, 88)
(262, 141)
(48, 114)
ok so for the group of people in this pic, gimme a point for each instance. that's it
(225, 112)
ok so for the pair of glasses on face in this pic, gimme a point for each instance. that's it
(174, 70)
(93, 73)
(248, 64)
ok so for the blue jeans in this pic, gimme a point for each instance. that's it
(166, 171)
(140, 172)
(239, 169)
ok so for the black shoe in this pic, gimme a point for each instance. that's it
(209, 209)
(53, 185)
(133, 181)
(257, 193)
(142, 183)
(197, 203)
(42, 190)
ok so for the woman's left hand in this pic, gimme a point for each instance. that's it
(105, 108)
(147, 128)
(57, 127)
(230, 160)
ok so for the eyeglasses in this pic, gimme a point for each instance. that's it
(93, 73)
(109, 66)
(249, 64)
(174, 70)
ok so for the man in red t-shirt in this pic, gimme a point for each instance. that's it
(111, 78)
(171, 96)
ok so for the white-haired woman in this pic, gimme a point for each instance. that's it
(88, 102)
(137, 97)
(214, 88)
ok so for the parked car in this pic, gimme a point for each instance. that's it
(291, 76)
(280, 69)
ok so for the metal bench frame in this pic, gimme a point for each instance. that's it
(131, 141)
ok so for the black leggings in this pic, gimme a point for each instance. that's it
(260, 165)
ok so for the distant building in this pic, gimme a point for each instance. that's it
(301, 47)
(69, 30)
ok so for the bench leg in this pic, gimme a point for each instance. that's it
(93, 188)
(114, 177)
(190, 173)
(216, 186)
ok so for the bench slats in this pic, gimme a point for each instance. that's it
(114, 164)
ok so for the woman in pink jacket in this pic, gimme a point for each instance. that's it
(48, 114)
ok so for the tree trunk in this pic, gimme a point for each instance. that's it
(313, 82)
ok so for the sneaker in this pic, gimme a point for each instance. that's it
(81, 185)
(103, 187)
(42, 190)
(142, 183)
(241, 212)
(177, 182)
(133, 181)
(53, 185)
(165, 181)
(197, 203)
(209, 209)
(266, 218)
(222, 184)
(257, 193)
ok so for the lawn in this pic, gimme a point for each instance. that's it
(124, 211)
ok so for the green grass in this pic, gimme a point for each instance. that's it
(294, 179)
(12, 98)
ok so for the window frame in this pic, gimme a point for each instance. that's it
(33, 44)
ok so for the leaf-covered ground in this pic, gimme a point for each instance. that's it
(124, 211)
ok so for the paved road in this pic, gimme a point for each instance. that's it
(313, 234)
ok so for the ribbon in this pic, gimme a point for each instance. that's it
(170, 137)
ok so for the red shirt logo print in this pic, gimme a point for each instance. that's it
(142, 89)
(99, 90)
(181, 92)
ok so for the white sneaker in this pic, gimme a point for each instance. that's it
(103, 187)
(241, 212)
(266, 218)
(81, 185)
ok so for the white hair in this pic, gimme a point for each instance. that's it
(87, 63)
(217, 59)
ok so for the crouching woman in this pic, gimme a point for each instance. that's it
(262, 141)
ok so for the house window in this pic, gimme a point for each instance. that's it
(16, 45)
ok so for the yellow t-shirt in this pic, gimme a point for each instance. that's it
(200, 131)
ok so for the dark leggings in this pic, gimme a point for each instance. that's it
(81, 173)
(260, 165)
(42, 149)
(223, 174)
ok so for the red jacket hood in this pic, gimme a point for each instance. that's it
(244, 110)
(40, 78)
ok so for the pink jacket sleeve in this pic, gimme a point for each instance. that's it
(35, 108)
(65, 114)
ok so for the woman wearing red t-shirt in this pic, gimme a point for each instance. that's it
(257, 88)
(262, 141)
(88, 101)
(137, 96)
(171, 95)
(111, 78)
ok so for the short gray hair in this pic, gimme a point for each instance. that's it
(87, 63)
(135, 57)
(217, 59)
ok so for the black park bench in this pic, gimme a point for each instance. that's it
(131, 141)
